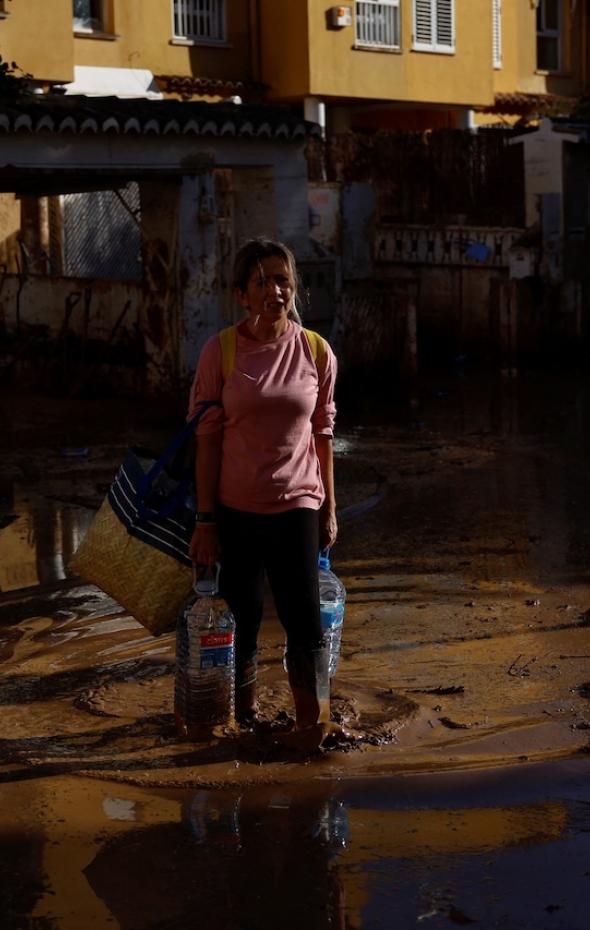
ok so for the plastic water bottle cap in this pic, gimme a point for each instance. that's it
(324, 561)
(206, 586)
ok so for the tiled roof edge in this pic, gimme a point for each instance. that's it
(99, 115)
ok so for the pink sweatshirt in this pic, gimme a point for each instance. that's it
(274, 402)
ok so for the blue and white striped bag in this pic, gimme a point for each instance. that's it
(136, 548)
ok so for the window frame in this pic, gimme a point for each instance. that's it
(497, 34)
(99, 19)
(556, 34)
(367, 44)
(195, 39)
(436, 47)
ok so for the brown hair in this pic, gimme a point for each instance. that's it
(252, 253)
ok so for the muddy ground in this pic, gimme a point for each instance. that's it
(465, 665)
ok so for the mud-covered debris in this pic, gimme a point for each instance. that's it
(451, 689)
(580, 725)
(470, 604)
(520, 669)
(533, 602)
(453, 725)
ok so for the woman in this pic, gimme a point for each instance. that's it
(265, 477)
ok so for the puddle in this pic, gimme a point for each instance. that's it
(494, 849)
(465, 647)
(38, 536)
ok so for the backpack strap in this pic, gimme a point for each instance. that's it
(228, 342)
(228, 339)
(317, 346)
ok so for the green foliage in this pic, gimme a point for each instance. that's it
(13, 82)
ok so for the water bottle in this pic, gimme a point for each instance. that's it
(332, 826)
(332, 598)
(214, 819)
(204, 687)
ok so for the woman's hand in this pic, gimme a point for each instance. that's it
(204, 544)
(328, 526)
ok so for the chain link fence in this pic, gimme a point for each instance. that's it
(101, 235)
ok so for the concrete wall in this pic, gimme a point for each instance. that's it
(131, 155)
(71, 334)
(10, 223)
(42, 302)
(543, 159)
(181, 300)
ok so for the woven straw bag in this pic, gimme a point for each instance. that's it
(136, 548)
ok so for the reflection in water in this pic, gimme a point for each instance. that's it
(22, 881)
(234, 860)
(119, 809)
(38, 540)
(317, 856)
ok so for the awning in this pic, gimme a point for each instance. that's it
(114, 82)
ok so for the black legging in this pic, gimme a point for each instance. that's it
(285, 546)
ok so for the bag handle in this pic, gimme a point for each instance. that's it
(145, 512)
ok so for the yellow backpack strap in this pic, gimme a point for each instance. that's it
(228, 341)
(317, 346)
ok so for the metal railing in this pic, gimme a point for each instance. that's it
(199, 19)
(378, 23)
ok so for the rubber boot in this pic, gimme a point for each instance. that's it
(246, 704)
(310, 685)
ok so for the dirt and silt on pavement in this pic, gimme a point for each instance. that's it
(465, 677)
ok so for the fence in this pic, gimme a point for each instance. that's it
(101, 234)
(444, 176)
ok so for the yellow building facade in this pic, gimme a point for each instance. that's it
(368, 63)
(37, 35)
(365, 64)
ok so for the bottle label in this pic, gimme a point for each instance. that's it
(216, 650)
(331, 615)
(217, 639)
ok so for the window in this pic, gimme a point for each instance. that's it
(378, 23)
(497, 33)
(88, 15)
(549, 35)
(434, 26)
(200, 20)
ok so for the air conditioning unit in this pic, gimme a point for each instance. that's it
(340, 16)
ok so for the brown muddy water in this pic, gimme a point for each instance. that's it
(465, 679)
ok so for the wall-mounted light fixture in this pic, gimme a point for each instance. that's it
(340, 16)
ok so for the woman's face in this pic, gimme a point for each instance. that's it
(270, 290)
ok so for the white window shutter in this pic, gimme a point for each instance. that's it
(445, 23)
(434, 25)
(497, 33)
(423, 31)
